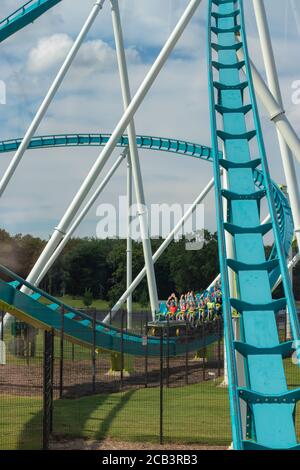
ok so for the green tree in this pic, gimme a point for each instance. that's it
(87, 298)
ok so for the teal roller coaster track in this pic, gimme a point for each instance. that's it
(262, 407)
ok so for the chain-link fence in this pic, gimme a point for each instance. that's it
(54, 392)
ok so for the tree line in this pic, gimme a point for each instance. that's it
(100, 265)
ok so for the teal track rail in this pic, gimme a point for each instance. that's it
(270, 419)
(179, 147)
(41, 310)
(25, 15)
(31, 309)
(173, 146)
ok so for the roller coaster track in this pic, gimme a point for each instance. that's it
(173, 146)
(270, 419)
(34, 310)
(43, 311)
(24, 16)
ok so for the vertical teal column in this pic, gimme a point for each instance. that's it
(235, 122)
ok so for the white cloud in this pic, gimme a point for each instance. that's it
(49, 52)
(90, 101)
(94, 55)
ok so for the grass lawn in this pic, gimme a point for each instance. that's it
(195, 414)
(20, 423)
(76, 302)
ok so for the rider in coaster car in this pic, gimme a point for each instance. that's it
(172, 304)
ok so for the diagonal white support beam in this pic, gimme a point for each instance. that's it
(73, 208)
(82, 215)
(292, 264)
(129, 243)
(276, 112)
(76, 223)
(70, 214)
(135, 161)
(274, 87)
(160, 250)
(49, 97)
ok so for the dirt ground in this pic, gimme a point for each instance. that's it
(27, 379)
(110, 444)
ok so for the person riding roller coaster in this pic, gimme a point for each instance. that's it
(205, 306)
(172, 304)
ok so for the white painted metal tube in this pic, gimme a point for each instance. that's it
(276, 112)
(134, 159)
(274, 86)
(160, 250)
(41, 113)
(75, 224)
(81, 216)
(129, 243)
(292, 264)
(73, 208)
(49, 97)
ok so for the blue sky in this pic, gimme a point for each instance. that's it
(90, 101)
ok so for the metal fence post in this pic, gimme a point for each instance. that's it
(61, 360)
(161, 391)
(94, 354)
(219, 346)
(204, 352)
(146, 352)
(52, 378)
(168, 351)
(186, 354)
(122, 347)
(47, 389)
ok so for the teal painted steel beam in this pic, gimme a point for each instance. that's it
(176, 147)
(41, 308)
(25, 15)
(264, 375)
(170, 145)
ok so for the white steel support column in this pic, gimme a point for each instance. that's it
(82, 215)
(289, 334)
(75, 224)
(96, 169)
(292, 264)
(276, 112)
(236, 320)
(129, 242)
(160, 250)
(135, 162)
(49, 97)
(230, 254)
(274, 86)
